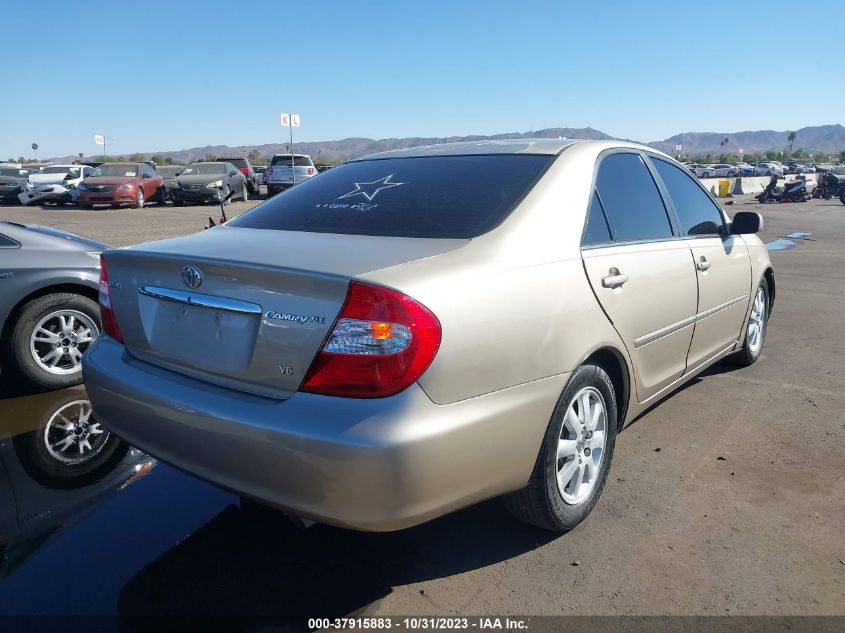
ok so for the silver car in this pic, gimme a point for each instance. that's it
(48, 303)
(421, 329)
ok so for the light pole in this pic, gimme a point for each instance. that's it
(35, 149)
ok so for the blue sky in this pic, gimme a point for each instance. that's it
(185, 73)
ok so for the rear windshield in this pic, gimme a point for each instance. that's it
(166, 170)
(438, 197)
(204, 168)
(298, 161)
(117, 171)
(237, 162)
(60, 170)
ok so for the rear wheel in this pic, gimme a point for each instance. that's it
(842, 197)
(50, 336)
(575, 457)
(245, 193)
(162, 196)
(139, 199)
(755, 331)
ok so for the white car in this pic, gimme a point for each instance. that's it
(65, 175)
(702, 171)
(768, 169)
(723, 170)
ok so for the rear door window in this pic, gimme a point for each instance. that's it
(698, 213)
(631, 200)
(433, 197)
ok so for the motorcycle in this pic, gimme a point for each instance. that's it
(794, 191)
(830, 186)
(49, 194)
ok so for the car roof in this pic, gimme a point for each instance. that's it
(547, 146)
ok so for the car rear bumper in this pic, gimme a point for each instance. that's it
(369, 464)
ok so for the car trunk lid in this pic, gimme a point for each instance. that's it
(244, 308)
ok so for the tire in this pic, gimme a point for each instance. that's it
(842, 197)
(87, 207)
(69, 449)
(752, 345)
(543, 502)
(706, 174)
(178, 203)
(139, 199)
(731, 174)
(245, 194)
(162, 196)
(47, 316)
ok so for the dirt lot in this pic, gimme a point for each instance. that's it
(726, 498)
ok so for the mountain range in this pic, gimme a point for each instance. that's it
(823, 138)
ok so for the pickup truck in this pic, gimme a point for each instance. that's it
(280, 176)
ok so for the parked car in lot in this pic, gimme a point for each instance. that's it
(15, 172)
(65, 175)
(702, 171)
(48, 302)
(744, 169)
(768, 169)
(11, 188)
(118, 184)
(789, 166)
(247, 170)
(418, 330)
(260, 174)
(281, 176)
(723, 170)
(209, 182)
(169, 174)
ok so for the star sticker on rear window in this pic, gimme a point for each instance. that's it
(370, 189)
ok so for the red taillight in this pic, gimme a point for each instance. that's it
(381, 342)
(245, 170)
(310, 170)
(107, 319)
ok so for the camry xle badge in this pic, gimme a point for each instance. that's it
(296, 318)
(191, 276)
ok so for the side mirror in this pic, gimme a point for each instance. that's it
(747, 223)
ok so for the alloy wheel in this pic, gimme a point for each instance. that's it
(59, 339)
(756, 323)
(581, 445)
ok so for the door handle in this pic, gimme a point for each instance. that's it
(614, 279)
(702, 264)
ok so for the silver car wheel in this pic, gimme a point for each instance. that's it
(581, 445)
(71, 437)
(59, 339)
(756, 323)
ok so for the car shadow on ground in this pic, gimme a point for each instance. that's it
(250, 561)
(714, 370)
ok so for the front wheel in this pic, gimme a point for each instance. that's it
(842, 197)
(139, 199)
(571, 469)
(245, 194)
(162, 196)
(755, 331)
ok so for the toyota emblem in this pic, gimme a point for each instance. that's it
(191, 276)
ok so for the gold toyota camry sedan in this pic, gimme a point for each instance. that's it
(418, 330)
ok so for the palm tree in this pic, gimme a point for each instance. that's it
(722, 147)
(791, 138)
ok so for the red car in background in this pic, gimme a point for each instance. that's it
(122, 183)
